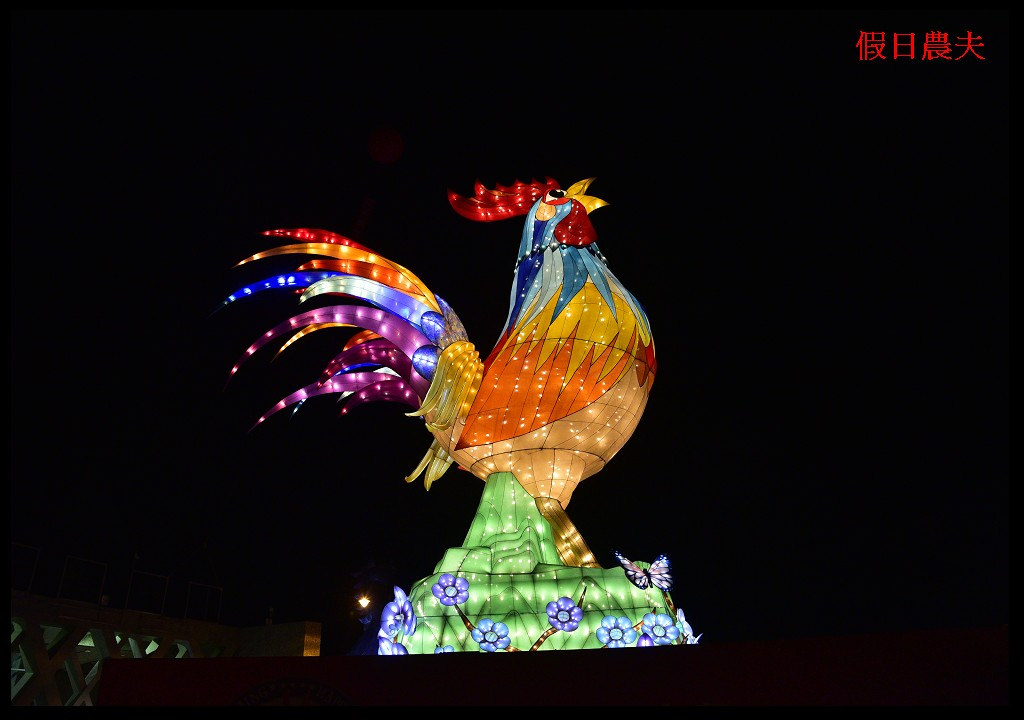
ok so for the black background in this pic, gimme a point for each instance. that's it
(821, 245)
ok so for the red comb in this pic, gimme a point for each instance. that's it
(503, 202)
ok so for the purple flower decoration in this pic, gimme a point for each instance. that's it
(398, 616)
(645, 641)
(446, 649)
(451, 590)
(616, 632)
(386, 646)
(564, 615)
(661, 627)
(491, 635)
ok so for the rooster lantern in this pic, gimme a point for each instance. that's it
(557, 397)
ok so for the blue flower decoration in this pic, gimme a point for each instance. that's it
(491, 635)
(446, 649)
(564, 615)
(661, 627)
(386, 646)
(398, 616)
(451, 590)
(616, 632)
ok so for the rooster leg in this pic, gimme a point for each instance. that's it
(571, 546)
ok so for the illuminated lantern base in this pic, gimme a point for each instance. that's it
(512, 561)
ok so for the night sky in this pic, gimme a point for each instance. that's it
(821, 245)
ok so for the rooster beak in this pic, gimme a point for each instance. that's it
(578, 192)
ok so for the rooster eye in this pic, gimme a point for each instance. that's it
(554, 195)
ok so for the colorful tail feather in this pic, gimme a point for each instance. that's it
(412, 347)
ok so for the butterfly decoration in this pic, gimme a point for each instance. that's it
(659, 574)
(685, 630)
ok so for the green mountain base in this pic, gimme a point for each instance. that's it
(514, 570)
